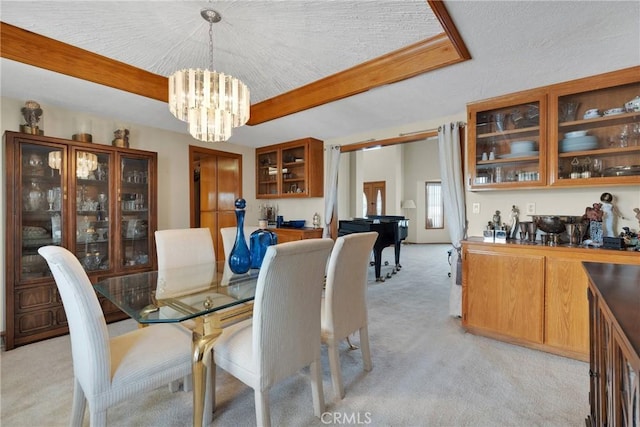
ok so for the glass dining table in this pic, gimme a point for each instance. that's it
(208, 294)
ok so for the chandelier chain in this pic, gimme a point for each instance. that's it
(211, 45)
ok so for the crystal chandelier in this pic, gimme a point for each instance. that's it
(211, 103)
(85, 164)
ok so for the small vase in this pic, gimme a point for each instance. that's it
(595, 231)
(240, 257)
(260, 240)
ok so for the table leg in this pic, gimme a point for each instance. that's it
(204, 335)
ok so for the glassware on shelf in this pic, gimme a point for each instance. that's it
(623, 137)
(596, 168)
(500, 119)
(35, 197)
(51, 198)
(568, 111)
(635, 132)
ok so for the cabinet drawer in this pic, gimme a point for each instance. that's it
(37, 321)
(36, 298)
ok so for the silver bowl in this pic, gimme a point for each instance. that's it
(549, 223)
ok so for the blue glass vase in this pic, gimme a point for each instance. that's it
(240, 257)
(260, 240)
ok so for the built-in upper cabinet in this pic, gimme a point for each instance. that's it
(595, 131)
(290, 170)
(508, 141)
(584, 132)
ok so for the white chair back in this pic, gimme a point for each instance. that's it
(346, 287)
(286, 317)
(87, 326)
(187, 247)
(181, 247)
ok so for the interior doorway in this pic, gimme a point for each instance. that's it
(215, 184)
(374, 197)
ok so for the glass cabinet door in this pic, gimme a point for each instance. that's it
(596, 139)
(507, 143)
(267, 173)
(294, 173)
(133, 205)
(42, 205)
(91, 204)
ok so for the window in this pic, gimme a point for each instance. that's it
(434, 205)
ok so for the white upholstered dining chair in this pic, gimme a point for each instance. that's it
(345, 300)
(283, 335)
(108, 371)
(183, 247)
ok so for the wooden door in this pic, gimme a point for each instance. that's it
(216, 184)
(375, 191)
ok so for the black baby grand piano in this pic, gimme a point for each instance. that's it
(392, 230)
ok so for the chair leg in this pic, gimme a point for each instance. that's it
(315, 369)
(263, 416)
(366, 350)
(97, 418)
(174, 386)
(334, 364)
(187, 383)
(351, 346)
(78, 405)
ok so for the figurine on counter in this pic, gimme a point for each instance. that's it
(496, 220)
(514, 221)
(609, 211)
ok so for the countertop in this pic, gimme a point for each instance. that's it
(619, 287)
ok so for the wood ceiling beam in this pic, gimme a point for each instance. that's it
(30, 48)
(401, 64)
(403, 139)
(442, 50)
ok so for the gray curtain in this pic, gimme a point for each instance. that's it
(331, 187)
(454, 205)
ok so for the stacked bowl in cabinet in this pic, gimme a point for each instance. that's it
(578, 141)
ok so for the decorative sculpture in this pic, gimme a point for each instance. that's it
(609, 212)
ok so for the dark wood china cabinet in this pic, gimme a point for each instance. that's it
(96, 200)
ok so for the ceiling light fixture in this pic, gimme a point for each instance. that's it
(211, 103)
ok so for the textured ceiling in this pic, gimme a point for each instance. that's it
(272, 46)
(515, 45)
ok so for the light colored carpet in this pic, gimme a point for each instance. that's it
(427, 372)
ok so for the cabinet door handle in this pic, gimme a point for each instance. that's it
(593, 374)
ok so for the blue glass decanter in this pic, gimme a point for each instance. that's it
(240, 257)
(260, 240)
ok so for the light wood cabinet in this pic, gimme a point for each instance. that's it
(291, 169)
(614, 156)
(507, 293)
(104, 211)
(531, 295)
(614, 363)
(508, 141)
(529, 139)
(293, 234)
